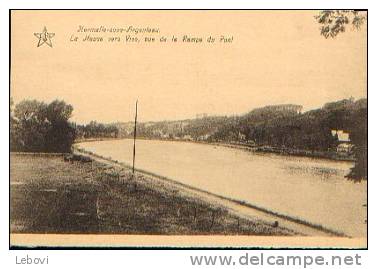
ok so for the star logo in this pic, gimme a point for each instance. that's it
(44, 37)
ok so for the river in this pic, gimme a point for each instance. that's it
(311, 189)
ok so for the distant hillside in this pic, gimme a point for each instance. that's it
(279, 126)
(310, 130)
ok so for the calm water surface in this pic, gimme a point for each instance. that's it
(311, 189)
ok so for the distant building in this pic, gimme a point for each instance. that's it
(290, 108)
(164, 135)
(188, 137)
(201, 115)
(344, 148)
(342, 136)
(241, 137)
(344, 142)
(203, 137)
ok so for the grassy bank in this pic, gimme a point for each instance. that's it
(59, 194)
(277, 216)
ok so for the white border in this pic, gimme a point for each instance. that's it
(169, 259)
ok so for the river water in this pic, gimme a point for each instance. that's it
(311, 189)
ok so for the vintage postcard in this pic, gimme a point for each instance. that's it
(188, 128)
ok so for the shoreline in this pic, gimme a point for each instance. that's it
(242, 206)
(258, 149)
(94, 196)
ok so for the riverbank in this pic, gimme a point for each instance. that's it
(236, 205)
(328, 155)
(306, 191)
(57, 193)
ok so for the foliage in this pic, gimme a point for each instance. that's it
(40, 127)
(281, 126)
(306, 131)
(359, 137)
(96, 130)
(334, 22)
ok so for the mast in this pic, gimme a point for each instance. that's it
(134, 152)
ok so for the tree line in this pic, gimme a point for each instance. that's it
(39, 127)
(280, 126)
(96, 130)
(308, 131)
(311, 130)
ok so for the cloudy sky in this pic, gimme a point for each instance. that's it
(276, 57)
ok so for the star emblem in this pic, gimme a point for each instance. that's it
(44, 37)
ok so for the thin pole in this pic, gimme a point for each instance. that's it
(134, 153)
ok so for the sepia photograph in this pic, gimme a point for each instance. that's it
(188, 129)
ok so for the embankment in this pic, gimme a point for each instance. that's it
(264, 213)
(58, 194)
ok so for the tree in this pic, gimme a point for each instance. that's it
(12, 125)
(38, 127)
(31, 127)
(58, 111)
(60, 135)
(359, 137)
(334, 22)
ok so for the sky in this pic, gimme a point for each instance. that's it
(276, 57)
